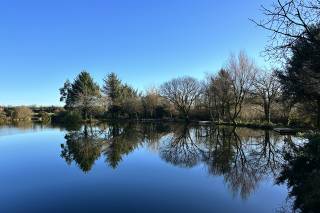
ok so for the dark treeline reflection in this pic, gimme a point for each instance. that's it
(242, 156)
(113, 141)
(301, 173)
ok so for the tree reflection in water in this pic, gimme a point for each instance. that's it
(301, 173)
(180, 148)
(113, 141)
(83, 147)
(242, 156)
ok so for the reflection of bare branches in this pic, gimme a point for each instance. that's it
(243, 156)
(152, 134)
(243, 176)
(255, 158)
(267, 153)
(229, 158)
(180, 149)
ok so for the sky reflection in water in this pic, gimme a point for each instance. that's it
(141, 167)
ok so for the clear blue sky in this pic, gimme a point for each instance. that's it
(146, 42)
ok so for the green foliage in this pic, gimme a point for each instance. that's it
(82, 148)
(220, 94)
(68, 118)
(112, 88)
(229, 96)
(161, 112)
(122, 98)
(82, 95)
(301, 78)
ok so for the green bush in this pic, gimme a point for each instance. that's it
(67, 118)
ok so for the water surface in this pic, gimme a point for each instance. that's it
(148, 167)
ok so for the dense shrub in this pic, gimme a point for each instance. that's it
(67, 118)
(45, 117)
(200, 114)
(3, 116)
(22, 113)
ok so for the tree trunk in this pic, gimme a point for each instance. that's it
(211, 113)
(186, 115)
(187, 118)
(318, 113)
(85, 115)
(85, 131)
(267, 112)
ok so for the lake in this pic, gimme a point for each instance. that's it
(146, 167)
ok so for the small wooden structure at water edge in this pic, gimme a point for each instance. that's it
(285, 131)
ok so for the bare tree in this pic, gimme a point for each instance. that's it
(242, 71)
(182, 92)
(267, 87)
(288, 21)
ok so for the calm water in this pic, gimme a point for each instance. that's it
(140, 168)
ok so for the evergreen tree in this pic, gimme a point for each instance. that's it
(112, 88)
(83, 94)
(112, 91)
(121, 97)
(301, 78)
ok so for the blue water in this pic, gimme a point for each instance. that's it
(161, 173)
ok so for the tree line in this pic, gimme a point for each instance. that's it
(11, 114)
(239, 92)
